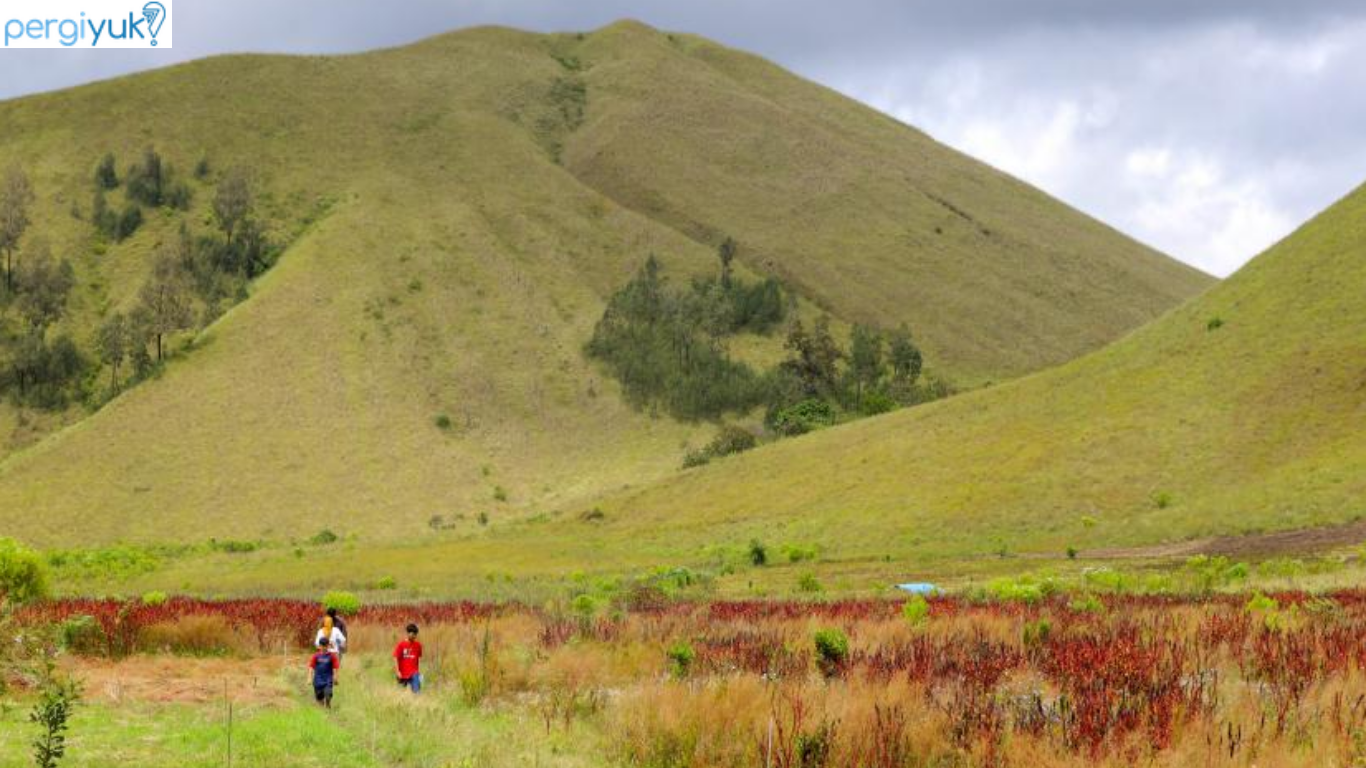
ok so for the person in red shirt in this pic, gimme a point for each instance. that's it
(407, 655)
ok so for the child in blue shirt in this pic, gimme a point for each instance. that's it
(324, 665)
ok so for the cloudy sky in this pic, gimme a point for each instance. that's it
(1208, 129)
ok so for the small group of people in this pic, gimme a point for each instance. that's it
(330, 643)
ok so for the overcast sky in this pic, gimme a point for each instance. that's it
(1208, 129)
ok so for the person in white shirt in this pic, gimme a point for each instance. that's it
(336, 639)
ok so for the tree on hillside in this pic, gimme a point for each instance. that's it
(112, 342)
(813, 357)
(106, 176)
(727, 255)
(147, 179)
(16, 195)
(44, 285)
(232, 203)
(43, 372)
(906, 358)
(866, 365)
(165, 302)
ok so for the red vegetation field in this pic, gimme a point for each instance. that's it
(1106, 680)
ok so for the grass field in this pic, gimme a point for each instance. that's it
(453, 239)
(1068, 680)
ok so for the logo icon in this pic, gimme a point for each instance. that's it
(156, 16)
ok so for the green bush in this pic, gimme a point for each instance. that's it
(877, 402)
(796, 553)
(323, 537)
(809, 583)
(128, 222)
(106, 175)
(154, 598)
(443, 422)
(23, 574)
(805, 416)
(1022, 590)
(346, 603)
(681, 656)
(758, 553)
(386, 582)
(832, 651)
(916, 611)
(82, 635)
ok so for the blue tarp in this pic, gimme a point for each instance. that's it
(919, 588)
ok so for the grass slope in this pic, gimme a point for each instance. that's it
(1179, 430)
(449, 258)
(871, 218)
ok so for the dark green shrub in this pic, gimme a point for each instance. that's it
(805, 416)
(128, 222)
(323, 537)
(443, 422)
(877, 402)
(106, 177)
(758, 553)
(146, 179)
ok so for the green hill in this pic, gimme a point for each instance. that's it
(456, 212)
(1241, 412)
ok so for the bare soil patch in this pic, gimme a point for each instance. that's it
(1302, 541)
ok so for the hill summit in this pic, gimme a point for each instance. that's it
(456, 213)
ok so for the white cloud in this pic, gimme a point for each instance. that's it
(1210, 142)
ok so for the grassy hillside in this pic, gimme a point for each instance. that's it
(448, 259)
(871, 218)
(1241, 412)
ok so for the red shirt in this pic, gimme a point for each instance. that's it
(407, 652)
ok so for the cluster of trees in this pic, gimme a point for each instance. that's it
(668, 348)
(40, 368)
(150, 182)
(192, 281)
(820, 382)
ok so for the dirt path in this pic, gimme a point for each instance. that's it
(1301, 541)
